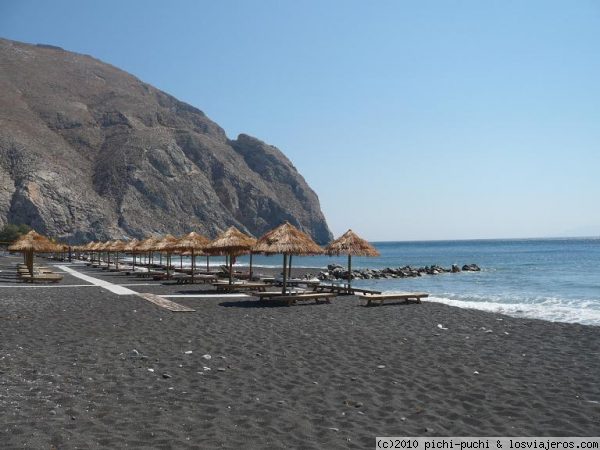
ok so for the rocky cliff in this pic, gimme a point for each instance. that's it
(88, 151)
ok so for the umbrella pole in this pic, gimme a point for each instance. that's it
(30, 262)
(250, 271)
(284, 272)
(160, 258)
(134, 262)
(117, 262)
(181, 261)
(193, 258)
(168, 266)
(290, 267)
(349, 272)
(207, 264)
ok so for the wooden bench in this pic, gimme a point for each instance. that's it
(43, 277)
(407, 297)
(226, 287)
(290, 299)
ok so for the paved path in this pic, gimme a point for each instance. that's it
(114, 288)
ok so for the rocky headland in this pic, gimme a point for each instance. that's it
(88, 151)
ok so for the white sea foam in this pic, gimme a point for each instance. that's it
(551, 309)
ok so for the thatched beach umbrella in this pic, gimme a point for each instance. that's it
(132, 247)
(61, 249)
(95, 248)
(288, 240)
(29, 244)
(106, 248)
(117, 246)
(167, 245)
(87, 248)
(350, 244)
(232, 242)
(149, 246)
(194, 243)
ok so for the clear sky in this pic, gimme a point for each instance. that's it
(410, 119)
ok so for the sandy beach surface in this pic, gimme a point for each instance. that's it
(83, 367)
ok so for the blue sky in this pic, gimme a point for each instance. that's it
(410, 119)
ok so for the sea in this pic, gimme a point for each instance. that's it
(549, 279)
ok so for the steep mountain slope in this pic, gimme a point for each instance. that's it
(88, 151)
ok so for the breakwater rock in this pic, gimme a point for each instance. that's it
(335, 272)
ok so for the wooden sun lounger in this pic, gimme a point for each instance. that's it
(35, 267)
(43, 277)
(150, 274)
(407, 297)
(235, 274)
(162, 276)
(187, 279)
(36, 271)
(290, 299)
(295, 282)
(226, 287)
(342, 290)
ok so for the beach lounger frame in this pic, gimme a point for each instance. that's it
(406, 297)
(290, 299)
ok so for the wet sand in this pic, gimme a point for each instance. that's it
(82, 367)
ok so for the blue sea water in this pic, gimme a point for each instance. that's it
(551, 279)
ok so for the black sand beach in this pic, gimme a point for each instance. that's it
(82, 367)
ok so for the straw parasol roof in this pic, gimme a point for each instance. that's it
(351, 244)
(131, 246)
(117, 246)
(231, 241)
(148, 245)
(167, 244)
(287, 239)
(32, 241)
(192, 241)
(61, 247)
(96, 246)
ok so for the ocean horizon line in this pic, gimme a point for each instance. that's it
(516, 239)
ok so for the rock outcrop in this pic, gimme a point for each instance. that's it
(336, 272)
(88, 151)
